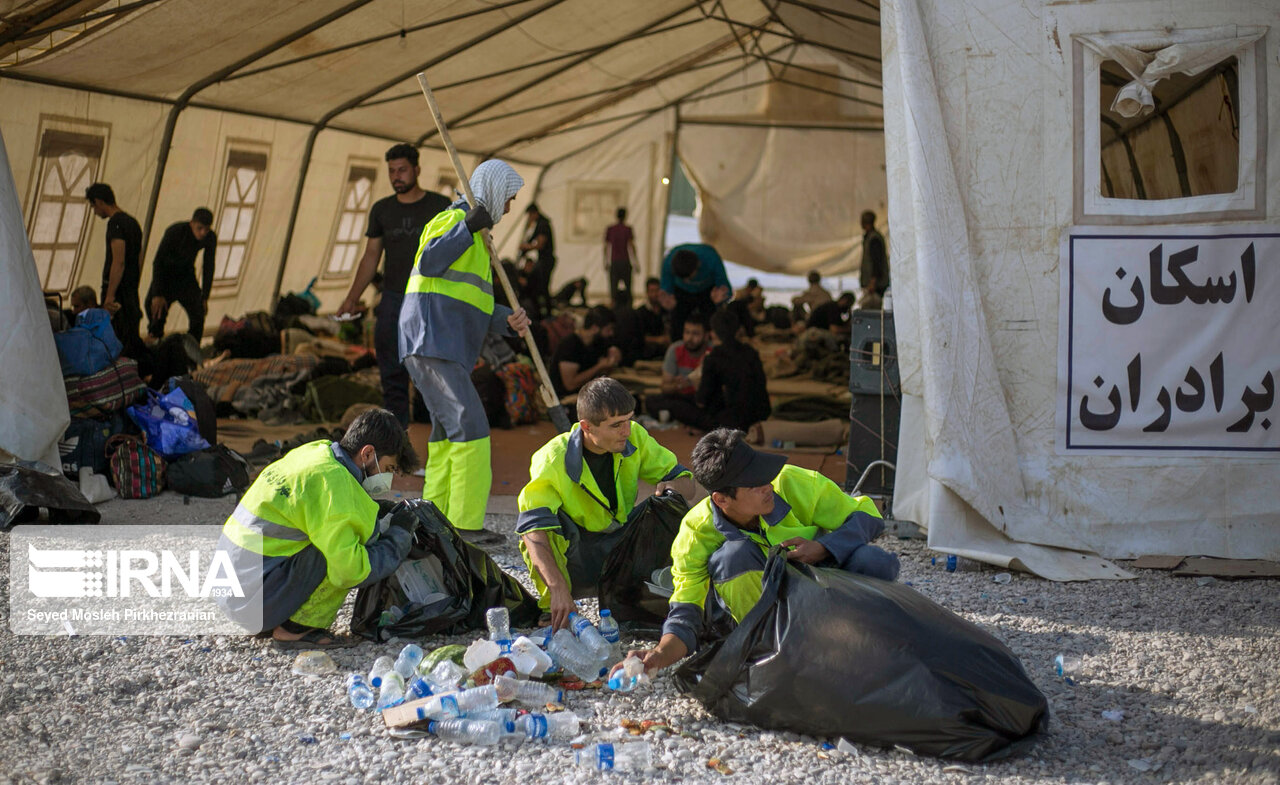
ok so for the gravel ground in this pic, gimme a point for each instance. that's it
(1192, 667)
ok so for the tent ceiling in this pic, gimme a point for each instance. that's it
(543, 77)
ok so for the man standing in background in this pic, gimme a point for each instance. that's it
(874, 277)
(539, 238)
(122, 269)
(395, 225)
(619, 253)
(173, 274)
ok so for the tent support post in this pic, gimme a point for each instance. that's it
(293, 212)
(673, 156)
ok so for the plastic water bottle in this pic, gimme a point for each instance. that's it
(628, 676)
(562, 725)
(446, 675)
(530, 693)
(609, 627)
(418, 688)
(499, 621)
(381, 666)
(459, 704)
(633, 756)
(407, 663)
(477, 732)
(391, 693)
(588, 634)
(571, 655)
(499, 716)
(359, 693)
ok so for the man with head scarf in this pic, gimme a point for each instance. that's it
(448, 308)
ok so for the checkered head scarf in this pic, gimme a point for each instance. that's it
(493, 183)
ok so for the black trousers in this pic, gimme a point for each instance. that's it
(620, 282)
(192, 301)
(386, 344)
(687, 304)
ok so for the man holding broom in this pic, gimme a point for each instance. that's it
(448, 308)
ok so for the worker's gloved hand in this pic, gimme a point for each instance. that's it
(478, 218)
(404, 519)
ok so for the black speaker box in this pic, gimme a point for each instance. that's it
(870, 439)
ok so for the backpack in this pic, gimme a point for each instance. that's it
(88, 347)
(522, 392)
(136, 470)
(209, 473)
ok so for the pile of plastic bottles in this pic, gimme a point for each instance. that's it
(463, 703)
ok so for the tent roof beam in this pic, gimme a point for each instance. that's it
(830, 12)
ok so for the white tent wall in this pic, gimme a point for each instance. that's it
(979, 133)
(632, 163)
(33, 400)
(132, 133)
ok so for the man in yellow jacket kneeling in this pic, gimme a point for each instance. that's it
(582, 490)
(307, 532)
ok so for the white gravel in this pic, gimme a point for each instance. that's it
(1193, 669)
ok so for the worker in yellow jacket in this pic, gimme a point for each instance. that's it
(582, 490)
(757, 502)
(448, 308)
(307, 532)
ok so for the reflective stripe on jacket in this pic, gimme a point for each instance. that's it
(559, 480)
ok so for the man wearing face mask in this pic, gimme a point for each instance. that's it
(448, 308)
(307, 532)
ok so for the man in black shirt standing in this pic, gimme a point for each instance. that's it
(122, 269)
(539, 238)
(395, 225)
(173, 274)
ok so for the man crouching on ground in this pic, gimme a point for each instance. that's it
(305, 533)
(757, 502)
(582, 489)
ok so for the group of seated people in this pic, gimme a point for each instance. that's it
(307, 531)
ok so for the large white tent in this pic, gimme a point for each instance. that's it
(276, 117)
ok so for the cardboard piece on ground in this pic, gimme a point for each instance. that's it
(1230, 568)
(405, 714)
(1158, 562)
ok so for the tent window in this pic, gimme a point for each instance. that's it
(357, 198)
(1187, 145)
(245, 178)
(68, 163)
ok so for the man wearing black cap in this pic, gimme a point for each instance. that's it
(173, 275)
(756, 502)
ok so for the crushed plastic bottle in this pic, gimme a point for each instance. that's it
(571, 655)
(381, 667)
(588, 634)
(358, 692)
(446, 675)
(530, 693)
(1067, 666)
(629, 676)
(478, 732)
(498, 621)
(633, 756)
(391, 693)
(1002, 578)
(407, 663)
(459, 704)
(561, 725)
(528, 650)
(390, 616)
(314, 663)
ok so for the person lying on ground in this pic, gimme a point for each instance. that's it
(757, 502)
(679, 374)
(307, 532)
(585, 354)
(582, 489)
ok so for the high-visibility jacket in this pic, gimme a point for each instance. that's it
(806, 504)
(559, 481)
(308, 497)
(448, 302)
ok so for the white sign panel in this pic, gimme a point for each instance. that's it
(1169, 341)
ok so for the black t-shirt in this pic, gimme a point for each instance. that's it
(400, 227)
(122, 226)
(654, 322)
(826, 315)
(601, 466)
(572, 350)
(174, 267)
(547, 253)
(734, 390)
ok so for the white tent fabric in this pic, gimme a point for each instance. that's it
(33, 401)
(978, 114)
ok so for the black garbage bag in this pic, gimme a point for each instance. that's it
(25, 488)
(645, 546)
(454, 583)
(830, 653)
